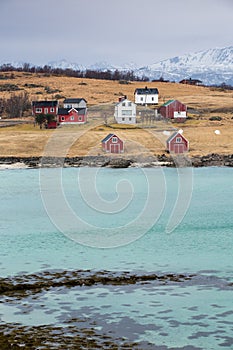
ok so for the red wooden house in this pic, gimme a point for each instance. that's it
(112, 144)
(44, 107)
(177, 143)
(173, 109)
(72, 115)
(191, 81)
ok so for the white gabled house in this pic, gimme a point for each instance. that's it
(146, 96)
(125, 111)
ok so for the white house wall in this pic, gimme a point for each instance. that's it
(81, 104)
(146, 99)
(125, 112)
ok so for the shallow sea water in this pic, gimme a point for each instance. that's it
(195, 314)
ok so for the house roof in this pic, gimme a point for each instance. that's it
(44, 103)
(122, 101)
(191, 80)
(176, 133)
(65, 111)
(168, 103)
(146, 91)
(108, 137)
(74, 100)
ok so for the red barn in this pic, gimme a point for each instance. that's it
(177, 143)
(112, 144)
(173, 109)
(44, 107)
(72, 115)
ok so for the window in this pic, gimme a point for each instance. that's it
(46, 111)
(62, 119)
(38, 110)
(178, 140)
(80, 119)
(72, 118)
(141, 98)
(123, 119)
(152, 98)
(129, 104)
(130, 119)
(126, 112)
(51, 109)
(123, 104)
(114, 140)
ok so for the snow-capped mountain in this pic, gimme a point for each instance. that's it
(64, 64)
(213, 66)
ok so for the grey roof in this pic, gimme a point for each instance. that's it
(74, 100)
(174, 135)
(107, 137)
(44, 103)
(65, 111)
(146, 91)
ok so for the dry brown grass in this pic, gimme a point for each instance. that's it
(27, 140)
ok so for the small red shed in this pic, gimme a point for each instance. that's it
(51, 125)
(72, 115)
(173, 109)
(177, 143)
(112, 144)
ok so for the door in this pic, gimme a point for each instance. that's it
(178, 148)
(115, 148)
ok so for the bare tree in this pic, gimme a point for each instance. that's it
(16, 105)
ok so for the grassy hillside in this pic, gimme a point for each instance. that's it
(27, 140)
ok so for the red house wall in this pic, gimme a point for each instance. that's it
(45, 110)
(77, 118)
(113, 147)
(168, 111)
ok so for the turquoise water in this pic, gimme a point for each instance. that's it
(197, 314)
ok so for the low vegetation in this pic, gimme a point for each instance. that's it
(203, 103)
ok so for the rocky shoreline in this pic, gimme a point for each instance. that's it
(118, 162)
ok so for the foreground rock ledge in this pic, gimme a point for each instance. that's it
(119, 162)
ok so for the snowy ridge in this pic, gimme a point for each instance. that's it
(213, 66)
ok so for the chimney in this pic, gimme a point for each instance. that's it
(122, 98)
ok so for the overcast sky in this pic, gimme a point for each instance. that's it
(115, 31)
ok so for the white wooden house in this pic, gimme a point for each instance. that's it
(146, 96)
(125, 111)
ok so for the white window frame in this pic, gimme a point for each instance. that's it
(62, 119)
(51, 109)
(72, 118)
(38, 110)
(114, 139)
(178, 140)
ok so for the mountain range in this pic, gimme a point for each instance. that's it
(212, 66)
